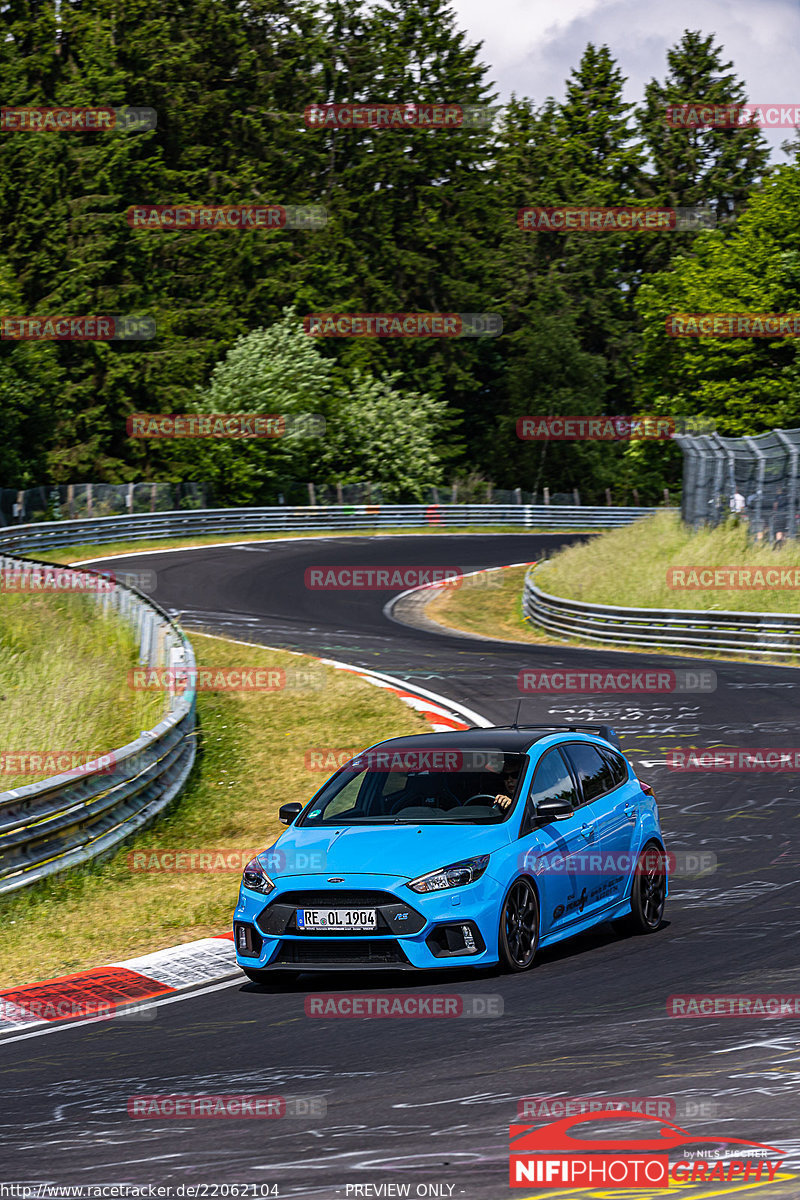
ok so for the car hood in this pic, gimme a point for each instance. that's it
(403, 850)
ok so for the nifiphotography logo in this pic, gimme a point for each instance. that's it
(577, 1152)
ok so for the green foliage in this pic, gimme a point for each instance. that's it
(420, 220)
(374, 429)
(747, 385)
(381, 431)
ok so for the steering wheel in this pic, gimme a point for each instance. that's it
(478, 798)
(445, 802)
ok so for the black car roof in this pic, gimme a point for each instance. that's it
(496, 737)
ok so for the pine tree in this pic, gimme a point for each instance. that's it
(712, 167)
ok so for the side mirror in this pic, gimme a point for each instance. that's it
(553, 810)
(288, 812)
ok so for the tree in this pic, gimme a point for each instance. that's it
(375, 429)
(566, 298)
(745, 384)
(29, 378)
(412, 215)
(228, 84)
(383, 433)
(277, 370)
(688, 167)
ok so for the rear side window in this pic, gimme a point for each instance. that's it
(591, 768)
(619, 768)
(552, 780)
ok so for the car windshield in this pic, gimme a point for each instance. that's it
(418, 787)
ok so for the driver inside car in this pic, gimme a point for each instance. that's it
(504, 799)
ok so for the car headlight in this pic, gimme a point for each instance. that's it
(456, 875)
(254, 876)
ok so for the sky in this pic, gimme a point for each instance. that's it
(532, 45)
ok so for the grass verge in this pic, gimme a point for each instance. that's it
(63, 681)
(629, 567)
(253, 760)
(492, 607)
(489, 604)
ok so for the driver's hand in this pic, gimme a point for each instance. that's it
(502, 801)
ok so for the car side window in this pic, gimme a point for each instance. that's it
(551, 781)
(591, 768)
(619, 768)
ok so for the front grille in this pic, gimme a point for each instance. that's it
(393, 915)
(381, 953)
(332, 898)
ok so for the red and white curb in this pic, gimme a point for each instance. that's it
(441, 714)
(117, 989)
(128, 988)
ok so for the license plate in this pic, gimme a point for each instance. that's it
(337, 918)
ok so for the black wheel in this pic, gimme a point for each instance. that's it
(519, 927)
(649, 894)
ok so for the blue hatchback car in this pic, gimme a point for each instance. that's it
(450, 850)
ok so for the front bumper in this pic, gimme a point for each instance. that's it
(452, 928)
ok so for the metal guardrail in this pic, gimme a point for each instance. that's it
(679, 629)
(48, 535)
(69, 819)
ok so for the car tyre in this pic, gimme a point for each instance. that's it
(519, 927)
(649, 892)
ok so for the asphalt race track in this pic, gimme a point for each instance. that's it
(430, 1101)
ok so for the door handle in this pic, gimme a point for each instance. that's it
(630, 812)
(588, 832)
